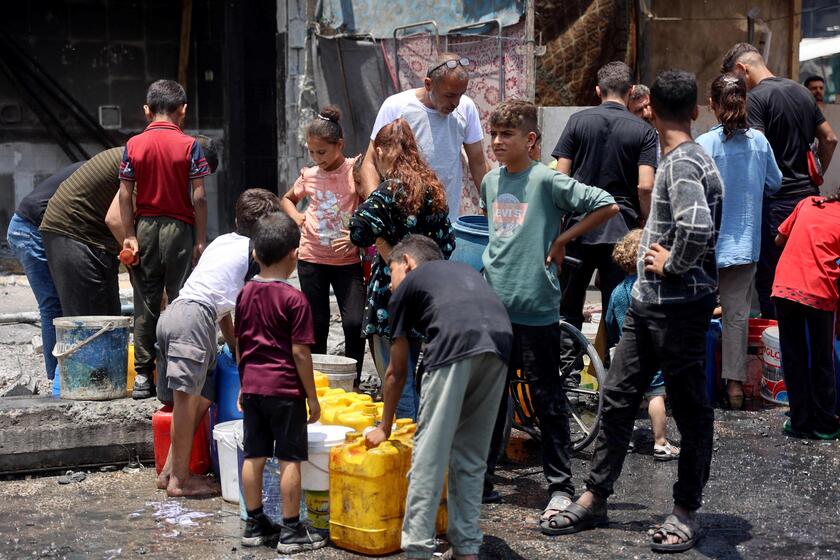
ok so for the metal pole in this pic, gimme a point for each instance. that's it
(530, 61)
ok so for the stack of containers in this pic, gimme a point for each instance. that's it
(368, 488)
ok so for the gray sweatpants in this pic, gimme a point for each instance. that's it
(458, 407)
(736, 286)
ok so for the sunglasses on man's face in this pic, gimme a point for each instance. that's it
(451, 64)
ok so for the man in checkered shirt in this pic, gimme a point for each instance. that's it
(665, 328)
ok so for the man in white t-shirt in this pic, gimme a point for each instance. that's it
(443, 119)
(186, 335)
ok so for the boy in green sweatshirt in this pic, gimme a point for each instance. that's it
(525, 202)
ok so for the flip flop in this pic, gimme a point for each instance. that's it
(688, 532)
(575, 518)
(827, 435)
(558, 502)
(788, 430)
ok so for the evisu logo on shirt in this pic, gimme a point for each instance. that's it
(508, 214)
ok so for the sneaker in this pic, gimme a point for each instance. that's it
(144, 387)
(299, 537)
(258, 530)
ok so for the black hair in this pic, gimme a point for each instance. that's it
(275, 236)
(733, 55)
(729, 93)
(828, 199)
(615, 77)
(419, 247)
(164, 97)
(211, 151)
(325, 125)
(813, 78)
(515, 113)
(673, 96)
(252, 205)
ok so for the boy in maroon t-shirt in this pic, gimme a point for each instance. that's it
(274, 332)
(159, 166)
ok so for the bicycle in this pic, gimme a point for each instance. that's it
(585, 399)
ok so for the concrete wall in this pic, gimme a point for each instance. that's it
(553, 120)
(695, 35)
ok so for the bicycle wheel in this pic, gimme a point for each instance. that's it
(584, 397)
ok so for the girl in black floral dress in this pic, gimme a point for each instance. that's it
(411, 200)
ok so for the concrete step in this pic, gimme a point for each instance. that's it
(41, 433)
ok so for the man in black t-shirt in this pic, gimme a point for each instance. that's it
(789, 117)
(467, 343)
(607, 147)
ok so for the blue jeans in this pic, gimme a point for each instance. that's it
(25, 240)
(409, 400)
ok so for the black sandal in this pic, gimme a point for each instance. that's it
(689, 533)
(574, 518)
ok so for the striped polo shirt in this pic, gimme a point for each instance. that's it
(78, 208)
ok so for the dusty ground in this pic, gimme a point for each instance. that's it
(768, 497)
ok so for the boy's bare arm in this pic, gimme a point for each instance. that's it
(564, 166)
(302, 355)
(127, 214)
(200, 206)
(226, 326)
(392, 389)
(587, 223)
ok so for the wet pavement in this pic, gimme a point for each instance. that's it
(769, 497)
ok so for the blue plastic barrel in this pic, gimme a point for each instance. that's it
(227, 386)
(471, 237)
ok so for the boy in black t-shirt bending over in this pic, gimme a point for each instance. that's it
(273, 333)
(468, 340)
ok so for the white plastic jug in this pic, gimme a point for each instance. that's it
(225, 436)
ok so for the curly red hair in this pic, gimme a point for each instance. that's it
(410, 169)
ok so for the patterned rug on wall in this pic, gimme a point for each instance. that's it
(416, 51)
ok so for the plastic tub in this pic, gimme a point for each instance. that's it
(339, 371)
(224, 435)
(471, 237)
(315, 473)
(92, 352)
(773, 387)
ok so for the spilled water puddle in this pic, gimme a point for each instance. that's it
(173, 513)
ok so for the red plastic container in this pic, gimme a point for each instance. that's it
(200, 458)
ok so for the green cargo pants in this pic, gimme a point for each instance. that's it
(166, 246)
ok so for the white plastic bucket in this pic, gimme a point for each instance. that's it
(773, 387)
(225, 436)
(340, 371)
(315, 473)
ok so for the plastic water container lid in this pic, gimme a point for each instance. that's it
(227, 431)
(324, 437)
(476, 225)
(770, 336)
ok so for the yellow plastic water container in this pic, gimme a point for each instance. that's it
(404, 429)
(321, 380)
(357, 417)
(366, 497)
